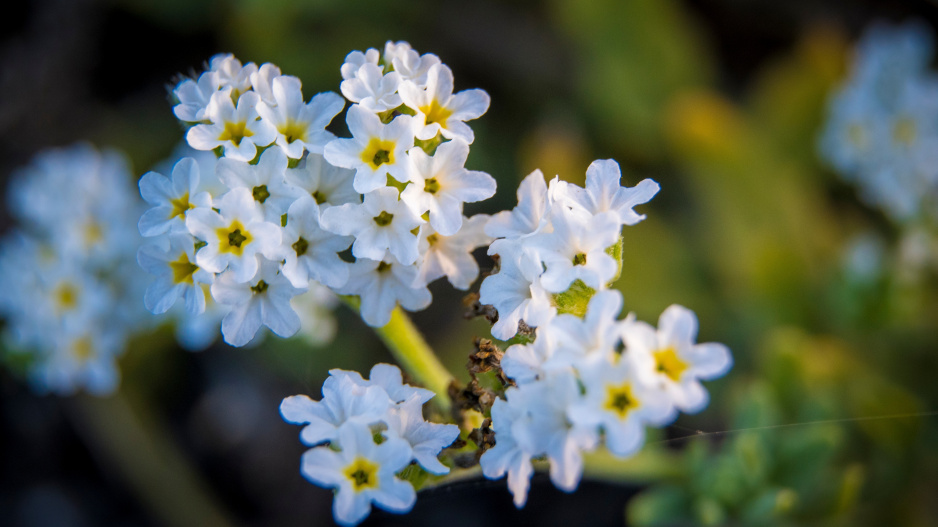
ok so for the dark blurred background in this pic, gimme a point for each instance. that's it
(719, 101)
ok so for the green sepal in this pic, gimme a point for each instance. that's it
(575, 299)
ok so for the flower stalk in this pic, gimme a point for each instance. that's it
(411, 351)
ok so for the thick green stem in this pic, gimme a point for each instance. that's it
(412, 352)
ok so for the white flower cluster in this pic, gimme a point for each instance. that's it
(592, 379)
(560, 240)
(364, 433)
(587, 376)
(69, 295)
(882, 127)
(287, 197)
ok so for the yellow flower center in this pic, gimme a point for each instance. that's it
(94, 234)
(180, 206)
(668, 363)
(66, 297)
(183, 269)
(436, 113)
(235, 132)
(904, 131)
(620, 401)
(294, 131)
(82, 350)
(233, 239)
(378, 152)
(362, 473)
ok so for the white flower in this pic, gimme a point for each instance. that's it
(388, 377)
(669, 359)
(172, 199)
(603, 193)
(515, 290)
(438, 110)
(425, 438)
(266, 181)
(372, 89)
(568, 339)
(229, 73)
(237, 130)
(380, 224)
(356, 59)
(531, 214)
(375, 150)
(451, 256)
(177, 276)
(194, 96)
(300, 126)
(508, 455)
(234, 235)
(616, 401)
(309, 251)
(534, 422)
(361, 473)
(440, 184)
(327, 184)
(84, 360)
(265, 300)
(343, 401)
(262, 81)
(408, 63)
(382, 285)
(576, 250)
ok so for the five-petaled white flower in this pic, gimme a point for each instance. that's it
(300, 126)
(438, 110)
(262, 301)
(375, 151)
(440, 184)
(172, 198)
(361, 473)
(234, 235)
(381, 224)
(670, 360)
(236, 129)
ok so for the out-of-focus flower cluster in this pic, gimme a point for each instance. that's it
(70, 295)
(287, 197)
(365, 433)
(882, 127)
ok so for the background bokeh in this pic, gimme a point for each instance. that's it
(720, 101)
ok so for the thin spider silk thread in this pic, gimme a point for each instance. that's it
(701, 433)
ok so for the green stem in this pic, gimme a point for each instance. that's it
(412, 352)
(146, 459)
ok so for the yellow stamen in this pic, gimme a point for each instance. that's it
(235, 132)
(233, 239)
(436, 113)
(378, 152)
(180, 206)
(620, 401)
(183, 269)
(82, 349)
(363, 474)
(668, 363)
(294, 131)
